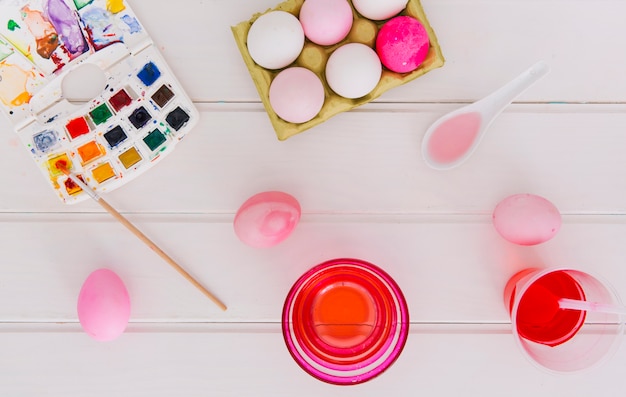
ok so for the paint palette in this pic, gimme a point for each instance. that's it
(139, 111)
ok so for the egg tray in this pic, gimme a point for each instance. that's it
(314, 57)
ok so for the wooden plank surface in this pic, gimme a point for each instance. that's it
(365, 192)
(200, 361)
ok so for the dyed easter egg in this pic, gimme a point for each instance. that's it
(326, 22)
(267, 219)
(296, 95)
(275, 39)
(103, 305)
(402, 44)
(378, 10)
(526, 219)
(353, 70)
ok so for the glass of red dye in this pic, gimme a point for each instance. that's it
(345, 321)
(562, 340)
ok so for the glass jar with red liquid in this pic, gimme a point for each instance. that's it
(560, 339)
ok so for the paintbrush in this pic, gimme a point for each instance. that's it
(62, 166)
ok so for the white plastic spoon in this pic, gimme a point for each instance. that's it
(453, 138)
(565, 303)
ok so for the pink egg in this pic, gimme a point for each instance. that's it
(267, 219)
(326, 22)
(103, 305)
(296, 95)
(402, 44)
(526, 219)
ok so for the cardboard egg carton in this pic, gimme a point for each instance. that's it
(314, 57)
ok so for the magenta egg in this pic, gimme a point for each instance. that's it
(402, 44)
(103, 305)
(267, 219)
(526, 219)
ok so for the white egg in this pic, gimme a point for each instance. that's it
(275, 39)
(353, 70)
(379, 9)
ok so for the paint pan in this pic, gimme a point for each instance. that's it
(134, 119)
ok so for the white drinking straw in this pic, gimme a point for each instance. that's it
(574, 304)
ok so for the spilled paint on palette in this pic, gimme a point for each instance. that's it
(45, 35)
(133, 123)
(67, 26)
(80, 4)
(132, 22)
(32, 34)
(5, 50)
(51, 34)
(12, 25)
(13, 90)
(115, 6)
(11, 28)
(99, 28)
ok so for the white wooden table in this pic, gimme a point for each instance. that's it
(365, 192)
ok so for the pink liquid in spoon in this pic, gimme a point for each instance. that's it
(454, 137)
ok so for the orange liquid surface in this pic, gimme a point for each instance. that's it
(344, 314)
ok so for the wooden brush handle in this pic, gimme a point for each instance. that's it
(159, 251)
(62, 166)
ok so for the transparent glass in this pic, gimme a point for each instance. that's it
(345, 321)
(556, 339)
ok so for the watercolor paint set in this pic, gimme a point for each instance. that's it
(139, 112)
